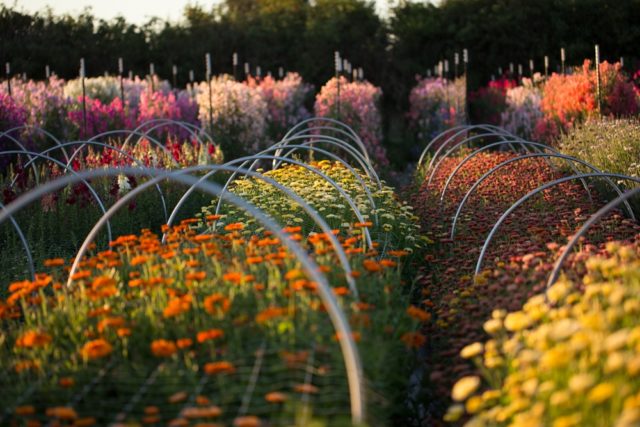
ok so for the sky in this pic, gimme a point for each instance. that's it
(135, 11)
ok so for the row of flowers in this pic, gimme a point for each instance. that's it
(241, 116)
(500, 353)
(537, 109)
(220, 324)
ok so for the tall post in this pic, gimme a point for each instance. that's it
(207, 59)
(234, 62)
(338, 67)
(7, 68)
(84, 99)
(258, 72)
(121, 76)
(622, 62)
(562, 60)
(152, 72)
(465, 60)
(174, 72)
(191, 79)
(247, 70)
(520, 73)
(531, 67)
(598, 81)
(456, 62)
(546, 66)
(47, 72)
(280, 72)
(446, 88)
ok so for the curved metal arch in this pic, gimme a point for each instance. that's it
(181, 123)
(332, 121)
(533, 193)
(529, 156)
(111, 147)
(349, 350)
(309, 132)
(555, 272)
(459, 130)
(434, 168)
(340, 190)
(25, 244)
(39, 129)
(74, 173)
(212, 169)
(536, 146)
(367, 168)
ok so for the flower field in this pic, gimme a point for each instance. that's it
(218, 256)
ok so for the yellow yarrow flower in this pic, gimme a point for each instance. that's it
(465, 387)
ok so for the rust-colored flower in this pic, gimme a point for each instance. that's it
(306, 388)
(25, 365)
(194, 412)
(413, 339)
(196, 275)
(418, 313)
(163, 348)
(139, 259)
(233, 277)
(217, 304)
(177, 306)
(223, 366)
(96, 349)
(208, 335)
(66, 382)
(178, 397)
(363, 224)
(25, 410)
(33, 339)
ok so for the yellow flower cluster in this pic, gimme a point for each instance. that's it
(570, 358)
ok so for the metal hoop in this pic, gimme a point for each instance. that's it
(349, 350)
(553, 276)
(342, 256)
(533, 193)
(528, 156)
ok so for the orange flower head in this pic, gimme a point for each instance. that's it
(271, 313)
(54, 262)
(183, 343)
(209, 335)
(418, 313)
(96, 349)
(217, 304)
(222, 367)
(111, 323)
(371, 265)
(33, 339)
(163, 348)
(66, 382)
(235, 226)
(139, 259)
(276, 397)
(62, 413)
(247, 421)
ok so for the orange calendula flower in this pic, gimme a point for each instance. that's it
(271, 313)
(233, 277)
(196, 275)
(82, 274)
(292, 229)
(371, 265)
(62, 412)
(211, 334)
(177, 306)
(293, 274)
(341, 291)
(96, 349)
(363, 224)
(276, 397)
(413, 339)
(203, 237)
(203, 400)
(111, 323)
(99, 311)
(388, 263)
(213, 217)
(306, 388)
(418, 313)
(247, 421)
(221, 367)
(217, 304)
(139, 259)
(33, 339)
(54, 262)
(184, 343)
(103, 282)
(85, 422)
(151, 410)
(178, 397)
(163, 348)
(210, 411)
(356, 336)
(235, 226)
(398, 253)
